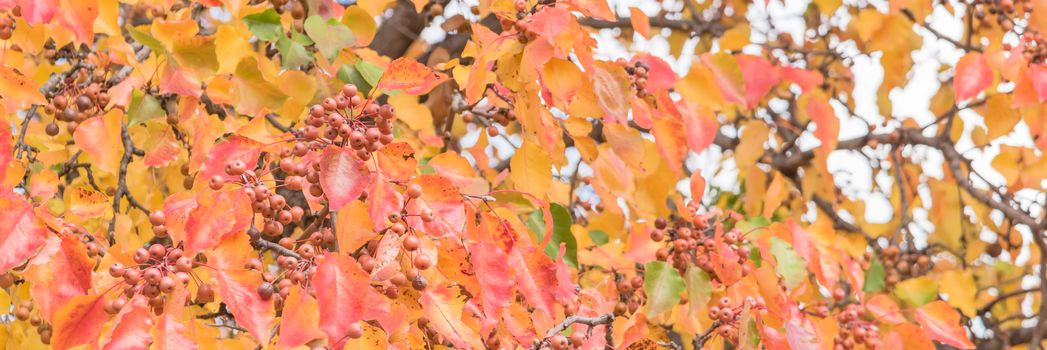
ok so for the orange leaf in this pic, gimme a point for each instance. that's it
(18, 90)
(492, 270)
(445, 312)
(972, 76)
(298, 325)
(759, 75)
(21, 231)
(345, 298)
(132, 327)
(62, 271)
(79, 16)
(640, 22)
(239, 290)
(100, 138)
(232, 149)
(942, 323)
(611, 84)
(216, 215)
(79, 321)
(697, 186)
(816, 107)
(410, 76)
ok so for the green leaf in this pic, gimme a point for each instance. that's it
(348, 74)
(699, 288)
(292, 53)
(663, 286)
(330, 35)
(874, 277)
(371, 72)
(561, 233)
(599, 237)
(790, 266)
(265, 25)
(916, 292)
(143, 108)
(147, 40)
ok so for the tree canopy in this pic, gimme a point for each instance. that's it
(522, 174)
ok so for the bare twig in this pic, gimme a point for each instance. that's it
(605, 319)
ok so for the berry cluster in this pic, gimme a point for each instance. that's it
(728, 315)
(7, 23)
(409, 242)
(489, 116)
(73, 105)
(904, 264)
(630, 294)
(689, 242)
(348, 119)
(24, 312)
(1004, 10)
(855, 331)
(562, 342)
(1034, 46)
(524, 34)
(637, 76)
(294, 7)
(265, 201)
(158, 272)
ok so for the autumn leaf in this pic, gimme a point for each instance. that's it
(410, 76)
(233, 149)
(492, 268)
(300, 319)
(239, 291)
(21, 232)
(79, 321)
(18, 89)
(342, 176)
(445, 313)
(100, 137)
(342, 303)
(942, 323)
(131, 330)
(663, 286)
(640, 22)
(973, 75)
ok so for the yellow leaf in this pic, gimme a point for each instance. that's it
(415, 115)
(361, 23)
(563, 78)
(961, 289)
(231, 46)
(1000, 118)
(531, 170)
(700, 86)
(255, 92)
(736, 38)
(18, 90)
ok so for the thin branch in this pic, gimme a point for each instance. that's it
(605, 319)
(262, 244)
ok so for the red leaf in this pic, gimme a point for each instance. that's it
(21, 231)
(99, 137)
(492, 270)
(78, 321)
(701, 127)
(298, 325)
(806, 79)
(534, 274)
(445, 312)
(942, 323)
(131, 331)
(341, 288)
(60, 272)
(38, 11)
(79, 16)
(216, 215)
(550, 21)
(883, 308)
(234, 148)
(660, 74)
(697, 186)
(442, 197)
(759, 75)
(170, 332)
(343, 177)
(972, 76)
(239, 291)
(727, 75)
(179, 81)
(383, 200)
(1038, 77)
(817, 107)
(410, 76)
(6, 150)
